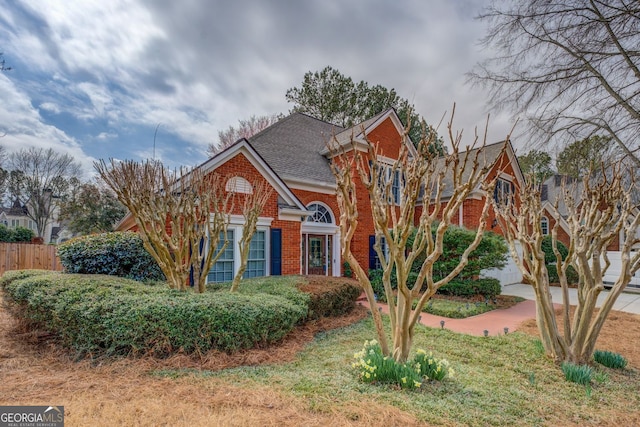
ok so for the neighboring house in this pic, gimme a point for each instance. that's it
(298, 231)
(17, 216)
(550, 194)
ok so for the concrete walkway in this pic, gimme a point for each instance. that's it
(496, 321)
(627, 301)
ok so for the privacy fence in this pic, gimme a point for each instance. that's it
(20, 256)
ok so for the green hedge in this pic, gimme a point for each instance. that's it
(116, 254)
(337, 298)
(115, 316)
(18, 234)
(490, 253)
(488, 287)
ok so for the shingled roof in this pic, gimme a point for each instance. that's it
(292, 148)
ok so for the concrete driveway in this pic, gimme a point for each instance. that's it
(627, 301)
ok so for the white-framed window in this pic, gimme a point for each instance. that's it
(388, 174)
(396, 187)
(229, 262)
(504, 191)
(319, 214)
(224, 268)
(15, 223)
(544, 225)
(238, 184)
(257, 261)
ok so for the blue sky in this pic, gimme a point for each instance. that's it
(95, 78)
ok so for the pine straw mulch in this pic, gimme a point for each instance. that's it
(35, 370)
(620, 333)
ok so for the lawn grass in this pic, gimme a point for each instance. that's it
(502, 380)
(461, 308)
(456, 309)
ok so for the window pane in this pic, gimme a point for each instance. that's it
(318, 214)
(222, 271)
(256, 264)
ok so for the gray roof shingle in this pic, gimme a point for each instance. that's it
(292, 148)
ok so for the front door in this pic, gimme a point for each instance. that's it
(317, 255)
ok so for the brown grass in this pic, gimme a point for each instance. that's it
(35, 371)
(620, 334)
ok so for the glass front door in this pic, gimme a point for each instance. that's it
(317, 255)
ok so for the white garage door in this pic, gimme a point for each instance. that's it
(613, 272)
(509, 274)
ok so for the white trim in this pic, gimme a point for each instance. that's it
(237, 233)
(239, 220)
(358, 134)
(312, 186)
(324, 205)
(238, 184)
(243, 147)
(291, 214)
(543, 219)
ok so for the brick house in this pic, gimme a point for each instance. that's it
(550, 193)
(298, 230)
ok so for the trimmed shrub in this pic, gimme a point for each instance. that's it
(488, 287)
(610, 359)
(490, 253)
(572, 275)
(547, 248)
(11, 275)
(107, 315)
(459, 288)
(327, 296)
(336, 298)
(116, 254)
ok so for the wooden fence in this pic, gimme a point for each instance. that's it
(20, 256)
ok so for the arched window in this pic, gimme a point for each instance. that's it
(238, 184)
(319, 214)
(544, 225)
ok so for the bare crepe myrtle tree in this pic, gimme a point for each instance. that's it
(598, 210)
(176, 214)
(423, 178)
(252, 207)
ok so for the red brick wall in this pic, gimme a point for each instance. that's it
(388, 139)
(241, 166)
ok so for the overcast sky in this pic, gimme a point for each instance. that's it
(95, 78)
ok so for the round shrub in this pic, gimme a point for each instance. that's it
(116, 254)
(115, 316)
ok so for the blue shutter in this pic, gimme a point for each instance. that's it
(276, 252)
(373, 256)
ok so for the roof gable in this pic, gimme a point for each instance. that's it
(243, 147)
(359, 132)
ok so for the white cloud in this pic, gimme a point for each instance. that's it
(196, 67)
(51, 107)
